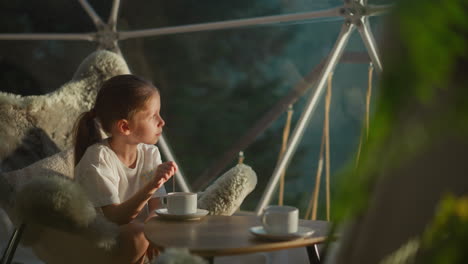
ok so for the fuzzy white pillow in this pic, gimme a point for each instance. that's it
(61, 163)
(56, 201)
(227, 193)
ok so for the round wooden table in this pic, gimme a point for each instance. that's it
(224, 235)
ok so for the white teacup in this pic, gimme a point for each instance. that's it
(181, 203)
(280, 219)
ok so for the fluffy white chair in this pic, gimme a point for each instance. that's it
(223, 197)
(40, 126)
(70, 227)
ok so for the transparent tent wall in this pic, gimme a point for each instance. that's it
(217, 84)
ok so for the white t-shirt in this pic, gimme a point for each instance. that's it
(107, 180)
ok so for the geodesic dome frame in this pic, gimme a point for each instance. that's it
(354, 12)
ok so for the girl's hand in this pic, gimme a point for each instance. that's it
(163, 173)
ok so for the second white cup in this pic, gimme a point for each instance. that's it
(280, 219)
(181, 203)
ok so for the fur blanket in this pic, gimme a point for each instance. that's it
(57, 202)
(42, 124)
(60, 163)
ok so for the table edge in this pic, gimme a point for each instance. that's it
(259, 248)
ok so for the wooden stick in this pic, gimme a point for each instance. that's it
(368, 97)
(327, 142)
(241, 158)
(313, 204)
(368, 101)
(286, 130)
(358, 155)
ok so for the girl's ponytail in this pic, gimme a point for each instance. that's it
(86, 134)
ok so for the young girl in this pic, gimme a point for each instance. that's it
(123, 174)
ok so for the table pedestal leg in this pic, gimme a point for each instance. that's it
(313, 253)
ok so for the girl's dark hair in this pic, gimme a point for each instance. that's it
(120, 97)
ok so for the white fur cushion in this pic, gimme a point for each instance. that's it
(55, 201)
(227, 193)
(61, 163)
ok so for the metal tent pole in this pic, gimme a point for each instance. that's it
(166, 150)
(334, 12)
(311, 104)
(49, 36)
(369, 41)
(113, 15)
(377, 10)
(92, 14)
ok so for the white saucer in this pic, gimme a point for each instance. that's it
(164, 214)
(302, 231)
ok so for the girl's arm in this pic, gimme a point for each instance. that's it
(153, 204)
(125, 212)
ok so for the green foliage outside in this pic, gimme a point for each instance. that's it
(443, 241)
(424, 62)
(446, 238)
(427, 42)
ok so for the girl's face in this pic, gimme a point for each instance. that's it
(147, 124)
